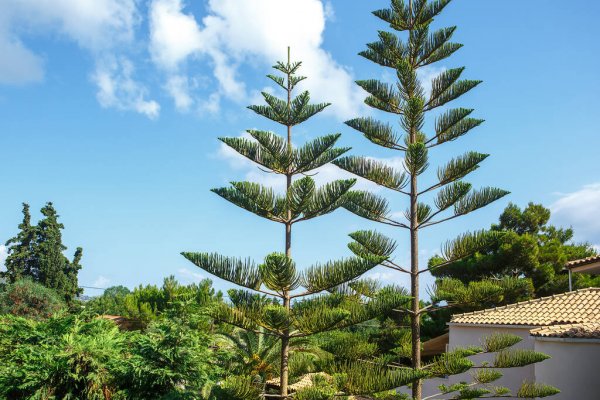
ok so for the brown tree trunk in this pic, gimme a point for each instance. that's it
(415, 326)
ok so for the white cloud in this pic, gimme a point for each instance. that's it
(242, 32)
(190, 276)
(104, 28)
(118, 89)
(101, 282)
(581, 210)
(3, 255)
(19, 65)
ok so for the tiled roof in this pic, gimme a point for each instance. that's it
(583, 261)
(567, 308)
(576, 331)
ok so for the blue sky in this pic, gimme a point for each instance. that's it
(111, 109)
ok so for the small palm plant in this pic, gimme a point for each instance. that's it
(257, 354)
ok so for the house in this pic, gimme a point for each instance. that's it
(589, 265)
(564, 326)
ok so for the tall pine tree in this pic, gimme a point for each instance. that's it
(37, 253)
(408, 102)
(282, 300)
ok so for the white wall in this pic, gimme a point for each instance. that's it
(473, 335)
(574, 367)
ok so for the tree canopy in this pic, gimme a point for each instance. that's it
(36, 252)
(530, 248)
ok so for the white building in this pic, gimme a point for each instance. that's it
(565, 327)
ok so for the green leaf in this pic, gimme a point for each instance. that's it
(371, 243)
(398, 16)
(449, 364)
(235, 270)
(449, 195)
(366, 378)
(459, 167)
(386, 51)
(468, 244)
(328, 198)
(275, 146)
(513, 358)
(374, 171)
(275, 317)
(301, 110)
(416, 161)
(316, 315)
(446, 87)
(278, 273)
(253, 197)
(423, 212)
(382, 96)
(232, 316)
(487, 375)
(377, 132)
(276, 110)
(279, 80)
(430, 50)
(300, 194)
(367, 205)
(499, 341)
(478, 199)
(321, 277)
(317, 153)
(453, 124)
(536, 390)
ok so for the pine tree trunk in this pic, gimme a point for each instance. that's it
(285, 339)
(414, 288)
(285, 352)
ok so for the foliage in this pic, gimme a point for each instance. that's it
(62, 358)
(27, 298)
(169, 360)
(257, 354)
(148, 303)
(529, 248)
(412, 46)
(37, 253)
(279, 300)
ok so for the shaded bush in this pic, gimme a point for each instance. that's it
(30, 299)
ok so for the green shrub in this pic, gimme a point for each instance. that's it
(30, 299)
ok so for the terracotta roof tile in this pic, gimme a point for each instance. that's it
(567, 308)
(583, 261)
(576, 331)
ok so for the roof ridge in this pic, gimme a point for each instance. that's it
(539, 299)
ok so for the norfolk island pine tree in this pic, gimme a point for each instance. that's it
(408, 102)
(284, 302)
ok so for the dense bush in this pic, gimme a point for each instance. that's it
(147, 303)
(30, 299)
(61, 358)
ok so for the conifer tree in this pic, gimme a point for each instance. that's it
(280, 300)
(37, 252)
(21, 261)
(407, 101)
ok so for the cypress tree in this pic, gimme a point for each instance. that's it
(37, 252)
(21, 260)
(407, 101)
(280, 300)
